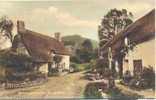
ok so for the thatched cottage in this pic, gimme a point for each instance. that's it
(41, 48)
(133, 48)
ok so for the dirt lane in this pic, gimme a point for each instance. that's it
(67, 86)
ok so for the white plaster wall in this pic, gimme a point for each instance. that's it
(44, 68)
(66, 61)
(144, 51)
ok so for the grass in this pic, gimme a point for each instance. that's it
(91, 91)
(117, 93)
(80, 67)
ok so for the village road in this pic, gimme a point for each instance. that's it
(67, 86)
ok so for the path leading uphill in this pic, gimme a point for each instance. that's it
(67, 86)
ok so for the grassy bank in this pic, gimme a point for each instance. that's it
(80, 67)
(91, 91)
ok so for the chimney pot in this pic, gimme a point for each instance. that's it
(57, 36)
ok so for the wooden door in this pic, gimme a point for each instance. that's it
(137, 67)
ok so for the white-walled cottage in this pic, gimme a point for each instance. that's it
(41, 48)
(133, 48)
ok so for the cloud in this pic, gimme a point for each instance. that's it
(64, 18)
(4, 7)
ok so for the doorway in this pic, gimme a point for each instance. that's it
(137, 67)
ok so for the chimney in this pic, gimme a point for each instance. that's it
(20, 27)
(57, 36)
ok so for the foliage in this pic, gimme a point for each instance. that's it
(102, 63)
(113, 22)
(146, 80)
(19, 62)
(69, 43)
(15, 64)
(75, 59)
(117, 93)
(2, 74)
(57, 59)
(91, 91)
(107, 72)
(148, 75)
(23, 76)
(80, 67)
(84, 55)
(54, 70)
(87, 44)
(85, 51)
(93, 62)
(95, 53)
(6, 27)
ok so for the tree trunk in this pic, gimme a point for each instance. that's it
(120, 65)
(113, 68)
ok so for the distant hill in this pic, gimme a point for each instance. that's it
(73, 42)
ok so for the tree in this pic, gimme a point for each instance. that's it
(112, 23)
(57, 59)
(6, 27)
(87, 44)
(85, 51)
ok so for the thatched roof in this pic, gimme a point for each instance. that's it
(140, 31)
(39, 45)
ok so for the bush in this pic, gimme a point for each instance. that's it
(102, 63)
(93, 63)
(16, 65)
(107, 72)
(54, 70)
(117, 93)
(146, 80)
(19, 62)
(2, 74)
(91, 91)
(75, 59)
(148, 75)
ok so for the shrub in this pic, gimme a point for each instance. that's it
(93, 63)
(117, 93)
(148, 75)
(75, 59)
(102, 63)
(91, 91)
(16, 65)
(146, 80)
(107, 72)
(2, 74)
(19, 62)
(54, 70)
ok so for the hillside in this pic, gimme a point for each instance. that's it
(74, 42)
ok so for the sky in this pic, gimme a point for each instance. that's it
(69, 17)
